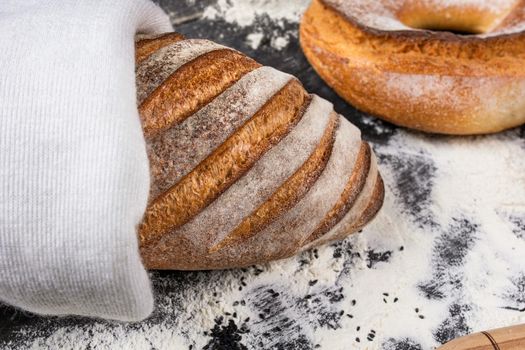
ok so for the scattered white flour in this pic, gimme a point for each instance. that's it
(246, 13)
(254, 40)
(280, 42)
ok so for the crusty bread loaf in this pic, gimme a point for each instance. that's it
(246, 166)
(394, 60)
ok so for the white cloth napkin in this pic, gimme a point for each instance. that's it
(74, 175)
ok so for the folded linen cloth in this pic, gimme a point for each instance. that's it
(74, 175)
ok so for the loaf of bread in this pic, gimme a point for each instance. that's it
(404, 61)
(246, 166)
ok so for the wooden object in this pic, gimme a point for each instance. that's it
(509, 338)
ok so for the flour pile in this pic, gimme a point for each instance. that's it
(255, 14)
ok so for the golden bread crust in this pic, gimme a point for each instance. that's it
(230, 161)
(191, 87)
(289, 193)
(249, 186)
(348, 196)
(432, 81)
(149, 44)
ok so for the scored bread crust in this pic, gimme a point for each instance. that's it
(246, 166)
(427, 80)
